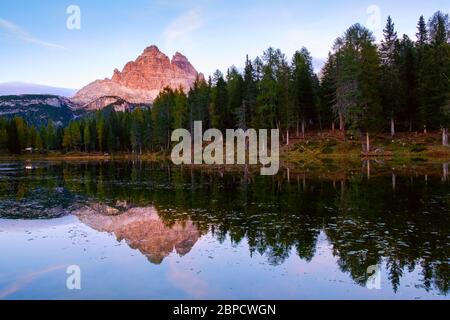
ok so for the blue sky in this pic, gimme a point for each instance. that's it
(37, 47)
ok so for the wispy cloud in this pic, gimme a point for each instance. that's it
(184, 25)
(26, 279)
(17, 32)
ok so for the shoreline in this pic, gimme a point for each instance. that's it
(315, 146)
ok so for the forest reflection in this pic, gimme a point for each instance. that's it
(400, 218)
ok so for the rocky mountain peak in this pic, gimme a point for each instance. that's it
(183, 63)
(141, 80)
(152, 50)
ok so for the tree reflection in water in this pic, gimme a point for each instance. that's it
(397, 218)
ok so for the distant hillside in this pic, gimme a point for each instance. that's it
(38, 109)
(20, 88)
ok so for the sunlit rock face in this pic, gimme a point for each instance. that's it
(141, 80)
(142, 229)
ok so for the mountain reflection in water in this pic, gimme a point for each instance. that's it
(395, 218)
(142, 229)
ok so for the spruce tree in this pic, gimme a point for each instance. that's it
(245, 116)
(408, 77)
(422, 32)
(286, 111)
(327, 94)
(390, 82)
(199, 103)
(267, 100)
(439, 26)
(357, 78)
(303, 89)
(235, 90)
(220, 116)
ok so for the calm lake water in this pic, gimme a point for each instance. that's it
(147, 231)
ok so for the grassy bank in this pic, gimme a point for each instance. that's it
(332, 147)
(316, 148)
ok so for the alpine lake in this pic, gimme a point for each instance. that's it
(148, 230)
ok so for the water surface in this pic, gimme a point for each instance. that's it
(141, 230)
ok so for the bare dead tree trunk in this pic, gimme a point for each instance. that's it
(392, 127)
(342, 125)
(445, 137)
(444, 172)
(394, 181)
(303, 128)
(168, 139)
(287, 137)
(363, 141)
(367, 142)
(363, 145)
(341, 122)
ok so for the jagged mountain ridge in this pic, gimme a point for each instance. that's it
(142, 229)
(137, 85)
(117, 103)
(142, 80)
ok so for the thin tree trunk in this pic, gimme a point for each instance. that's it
(410, 126)
(168, 139)
(332, 126)
(445, 137)
(363, 145)
(394, 181)
(303, 128)
(342, 189)
(392, 127)
(341, 122)
(342, 125)
(367, 141)
(287, 137)
(298, 128)
(363, 141)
